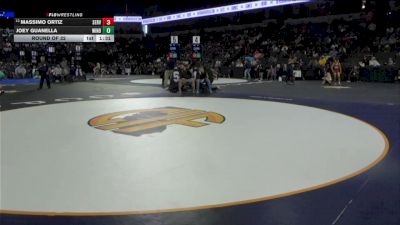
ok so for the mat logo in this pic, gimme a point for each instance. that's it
(139, 122)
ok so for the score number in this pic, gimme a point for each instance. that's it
(108, 30)
(108, 21)
(108, 25)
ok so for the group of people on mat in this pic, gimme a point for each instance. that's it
(179, 77)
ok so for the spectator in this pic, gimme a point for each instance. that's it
(327, 78)
(247, 70)
(128, 68)
(20, 71)
(57, 73)
(96, 69)
(374, 63)
(272, 72)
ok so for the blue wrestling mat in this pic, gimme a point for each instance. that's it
(14, 82)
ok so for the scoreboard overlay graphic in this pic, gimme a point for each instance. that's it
(64, 30)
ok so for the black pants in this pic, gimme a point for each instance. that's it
(290, 78)
(42, 78)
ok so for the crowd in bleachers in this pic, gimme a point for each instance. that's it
(360, 44)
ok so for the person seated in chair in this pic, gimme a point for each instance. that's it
(57, 73)
(186, 78)
(202, 78)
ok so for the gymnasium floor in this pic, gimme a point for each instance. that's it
(126, 151)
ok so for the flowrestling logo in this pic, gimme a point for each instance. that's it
(139, 122)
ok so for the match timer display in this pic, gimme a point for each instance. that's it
(64, 30)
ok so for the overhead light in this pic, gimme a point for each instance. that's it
(221, 10)
(247, 6)
(364, 2)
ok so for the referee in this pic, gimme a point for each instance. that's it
(43, 72)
